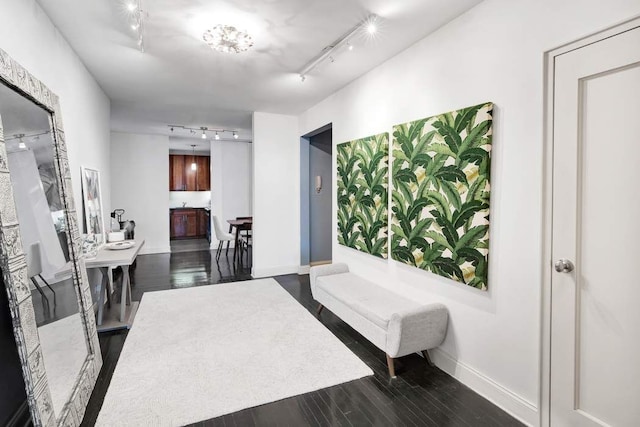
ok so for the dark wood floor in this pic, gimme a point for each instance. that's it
(419, 396)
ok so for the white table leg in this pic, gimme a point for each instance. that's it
(125, 289)
(103, 292)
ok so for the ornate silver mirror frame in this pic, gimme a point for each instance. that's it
(14, 267)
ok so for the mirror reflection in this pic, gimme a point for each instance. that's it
(43, 229)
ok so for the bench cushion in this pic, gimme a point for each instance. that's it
(373, 302)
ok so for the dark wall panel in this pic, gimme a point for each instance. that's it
(12, 392)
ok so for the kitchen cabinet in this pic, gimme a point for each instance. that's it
(192, 223)
(176, 173)
(178, 225)
(203, 222)
(183, 178)
(188, 223)
(203, 173)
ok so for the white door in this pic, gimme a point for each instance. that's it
(595, 297)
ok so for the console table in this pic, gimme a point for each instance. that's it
(104, 260)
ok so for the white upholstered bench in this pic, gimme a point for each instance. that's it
(396, 325)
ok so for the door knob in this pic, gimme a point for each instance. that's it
(564, 266)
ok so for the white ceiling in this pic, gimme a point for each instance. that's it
(180, 80)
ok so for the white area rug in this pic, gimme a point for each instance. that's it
(64, 351)
(202, 352)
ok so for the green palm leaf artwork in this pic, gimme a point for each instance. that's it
(363, 176)
(440, 197)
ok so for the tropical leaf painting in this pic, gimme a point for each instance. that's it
(440, 199)
(363, 175)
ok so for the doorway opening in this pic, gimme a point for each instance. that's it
(316, 153)
(189, 194)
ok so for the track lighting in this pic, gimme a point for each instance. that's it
(20, 137)
(329, 52)
(137, 17)
(218, 134)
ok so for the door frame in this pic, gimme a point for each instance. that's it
(547, 205)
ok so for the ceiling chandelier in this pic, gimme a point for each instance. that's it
(227, 38)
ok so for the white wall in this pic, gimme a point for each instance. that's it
(276, 194)
(231, 182)
(30, 38)
(494, 53)
(140, 186)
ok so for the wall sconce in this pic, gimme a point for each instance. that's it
(318, 183)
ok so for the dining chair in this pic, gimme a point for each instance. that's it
(245, 236)
(222, 237)
(246, 242)
(34, 269)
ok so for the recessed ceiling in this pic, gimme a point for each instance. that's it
(181, 80)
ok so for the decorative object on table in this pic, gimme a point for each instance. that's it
(363, 175)
(256, 317)
(115, 236)
(127, 226)
(440, 199)
(118, 246)
(92, 198)
(53, 399)
(116, 218)
(90, 246)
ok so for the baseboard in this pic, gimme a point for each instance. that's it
(303, 269)
(502, 397)
(148, 250)
(274, 271)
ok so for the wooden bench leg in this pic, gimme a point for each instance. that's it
(320, 308)
(425, 353)
(390, 365)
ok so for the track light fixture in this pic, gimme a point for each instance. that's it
(20, 137)
(369, 25)
(218, 133)
(137, 17)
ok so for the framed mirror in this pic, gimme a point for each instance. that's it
(40, 256)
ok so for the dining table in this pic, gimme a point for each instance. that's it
(240, 224)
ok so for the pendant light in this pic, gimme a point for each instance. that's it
(193, 152)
